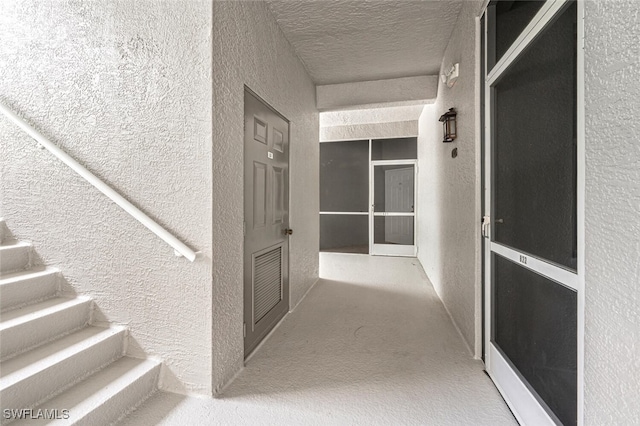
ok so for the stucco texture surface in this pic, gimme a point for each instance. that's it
(370, 123)
(612, 212)
(448, 222)
(346, 41)
(249, 49)
(418, 90)
(394, 129)
(370, 116)
(125, 89)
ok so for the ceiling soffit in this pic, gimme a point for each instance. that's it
(350, 41)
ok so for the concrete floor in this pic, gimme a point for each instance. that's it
(370, 344)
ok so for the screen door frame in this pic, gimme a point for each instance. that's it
(524, 404)
(378, 249)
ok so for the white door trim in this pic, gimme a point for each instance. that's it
(392, 214)
(580, 205)
(529, 410)
(393, 162)
(529, 34)
(347, 213)
(549, 270)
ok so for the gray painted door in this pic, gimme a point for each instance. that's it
(266, 217)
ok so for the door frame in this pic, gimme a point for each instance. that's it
(392, 249)
(522, 402)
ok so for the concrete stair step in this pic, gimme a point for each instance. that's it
(14, 256)
(27, 327)
(38, 374)
(106, 396)
(52, 359)
(25, 287)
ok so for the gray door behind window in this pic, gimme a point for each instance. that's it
(266, 216)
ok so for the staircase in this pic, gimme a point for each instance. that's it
(52, 360)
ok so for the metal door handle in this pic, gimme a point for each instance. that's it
(288, 231)
(486, 221)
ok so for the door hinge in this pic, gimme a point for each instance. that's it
(244, 330)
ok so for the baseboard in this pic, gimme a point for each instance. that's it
(455, 325)
(305, 295)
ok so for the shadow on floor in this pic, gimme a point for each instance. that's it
(371, 344)
(357, 336)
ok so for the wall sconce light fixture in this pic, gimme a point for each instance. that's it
(450, 75)
(449, 127)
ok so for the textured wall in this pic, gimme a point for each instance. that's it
(125, 88)
(422, 89)
(354, 124)
(372, 115)
(612, 212)
(448, 222)
(249, 48)
(371, 130)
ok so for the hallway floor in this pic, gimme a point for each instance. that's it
(370, 344)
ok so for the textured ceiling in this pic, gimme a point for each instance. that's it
(343, 41)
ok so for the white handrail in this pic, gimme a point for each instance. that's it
(180, 248)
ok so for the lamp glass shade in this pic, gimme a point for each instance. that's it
(449, 127)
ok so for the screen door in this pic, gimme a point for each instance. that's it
(393, 194)
(531, 223)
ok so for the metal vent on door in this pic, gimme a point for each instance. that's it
(267, 284)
